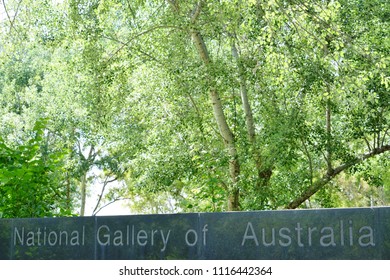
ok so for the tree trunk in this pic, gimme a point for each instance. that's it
(86, 165)
(264, 173)
(83, 193)
(219, 115)
(250, 124)
(228, 137)
(328, 135)
(224, 129)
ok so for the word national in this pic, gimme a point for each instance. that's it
(342, 234)
(45, 237)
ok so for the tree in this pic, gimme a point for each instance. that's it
(296, 65)
(208, 105)
(33, 62)
(31, 179)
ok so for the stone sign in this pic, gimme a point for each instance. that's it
(358, 233)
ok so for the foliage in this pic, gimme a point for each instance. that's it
(31, 178)
(204, 105)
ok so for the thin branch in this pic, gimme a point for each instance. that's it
(296, 23)
(6, 12)
(137, 49)
(321, 20)
(367, 143)
(174, 5)
(127, 43)
(106, 182)
(196, 12)
(356, 46)
(9, 17)
(111, 202)
(80, 150)
(307, 153)
(91, 154)
(133, 14)
(384, 136)
(379, 139)
(149, 56)
(328, 117)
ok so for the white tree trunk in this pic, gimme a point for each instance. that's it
(224, 129)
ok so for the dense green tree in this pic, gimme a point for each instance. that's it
(205, 105)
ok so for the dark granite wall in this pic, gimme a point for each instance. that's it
(355, 233)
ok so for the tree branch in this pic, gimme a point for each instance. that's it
(244, 96)
(8, 16)
(384, 136)
(196, 12)
(125, 44)
(106, 182)
(174, 5)
(314, 188)
(306, 152)
(111, 202)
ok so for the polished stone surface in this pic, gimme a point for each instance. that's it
(52, 238)
(300, 234)
(145, 237)
(354, 233)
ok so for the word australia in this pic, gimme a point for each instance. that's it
(342, 233)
